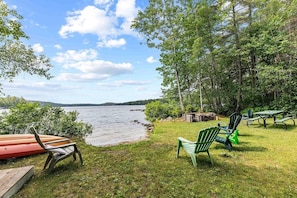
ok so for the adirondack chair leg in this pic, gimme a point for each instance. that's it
(52, 165)
(193, 157)
(80, 157)
(209, 157)
(49, 158)
(179, 144)
(79, 154)
(228, 145)
(74, 156)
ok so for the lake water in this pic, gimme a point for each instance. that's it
(113, 124)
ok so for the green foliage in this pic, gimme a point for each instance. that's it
(191, 108)
(47, 119)
(242, 53)
(15, 57)
(161, 110)
(10, 101)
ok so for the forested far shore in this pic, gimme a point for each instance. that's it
(10, 101)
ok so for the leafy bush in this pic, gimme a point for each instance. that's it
(158, 110)
(47, 119)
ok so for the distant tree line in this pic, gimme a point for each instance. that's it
(10, 101)
(224, 56)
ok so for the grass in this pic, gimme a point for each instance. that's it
(262, 165)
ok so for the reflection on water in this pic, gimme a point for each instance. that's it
(113, 124)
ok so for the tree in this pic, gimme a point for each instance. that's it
(15, 57)
(238, 54)
(160, 23)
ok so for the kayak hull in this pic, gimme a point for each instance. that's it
(20, 145)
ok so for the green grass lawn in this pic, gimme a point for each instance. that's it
(264, 164)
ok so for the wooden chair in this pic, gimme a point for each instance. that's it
(205, 138)
(58, 152)
(235, 119)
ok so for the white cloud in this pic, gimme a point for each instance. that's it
(81, 77)
(90, 20)
(105, 23)
(112, 43)
(40, 86)
(72, 56)
(105, 4)
(123, 83)
(151, 59)
(101, 67)
(90, 67)
(57, 46)
(37, 48)
(126, 9)
(102, 2)
(141, 88)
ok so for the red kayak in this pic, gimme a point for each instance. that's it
(20, 145)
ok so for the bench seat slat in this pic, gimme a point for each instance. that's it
(282, 121)
(250, 120)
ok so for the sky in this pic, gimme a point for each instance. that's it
(96, 56)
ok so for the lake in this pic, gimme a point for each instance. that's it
(113, 124)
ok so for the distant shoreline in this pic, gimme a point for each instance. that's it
(138, 102)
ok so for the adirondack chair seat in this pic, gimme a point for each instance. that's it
(58, 153)
(204, 140)
(228, 139)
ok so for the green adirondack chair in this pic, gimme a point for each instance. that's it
(229, 131)
(205, 138)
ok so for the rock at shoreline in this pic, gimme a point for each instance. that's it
(149, 127)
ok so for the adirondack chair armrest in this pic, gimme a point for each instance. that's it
(62, 146)
(57, 141)
(185, 140)
(224, 133)
(222, 125)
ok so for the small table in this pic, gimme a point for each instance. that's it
(268, 114)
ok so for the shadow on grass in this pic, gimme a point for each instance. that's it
(256, 126)
(245, 135)
(243, 147)
(202, 160)
(250, 149)
(283, 127)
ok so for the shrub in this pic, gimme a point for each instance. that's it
(47, 119)
(157, 110)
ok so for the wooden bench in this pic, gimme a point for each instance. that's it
(250, 120)
(283, 120)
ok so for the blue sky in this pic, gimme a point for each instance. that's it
(97, 58)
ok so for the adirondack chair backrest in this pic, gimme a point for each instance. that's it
(38, 138)
(235, 119)
(205, 138)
